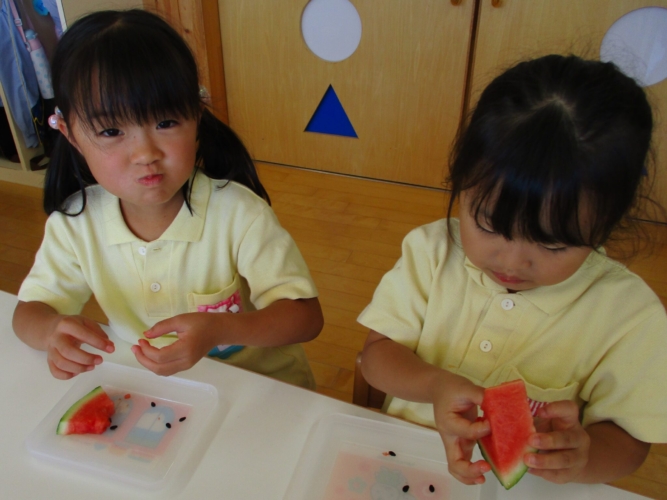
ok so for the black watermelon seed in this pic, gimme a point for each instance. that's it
(392, 453)
(181, 419)
(431, 488)
(405, 488)
(168, 425)
(113, 427)
(153, 404)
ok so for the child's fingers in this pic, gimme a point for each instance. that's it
(57, 372)
(565, 411)
(564, 459)
(469, 473)
(558, 440)
(169, 325)
(458, 453)
(157, 368)
(463, 428)
(461, 467)
(65, 365)
(88, 334)
(75, 354)
(163, 355)
(558, 476)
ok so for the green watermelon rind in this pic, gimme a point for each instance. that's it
(64, 421)
(511, 478)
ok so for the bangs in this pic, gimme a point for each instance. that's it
(530, 186)
(118, 78)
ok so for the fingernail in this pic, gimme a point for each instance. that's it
(90, 368)
(110, 348)
(535, 441)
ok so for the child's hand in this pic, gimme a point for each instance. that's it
(562, 441)
(455, 410)
(196, 337)
(63, 346)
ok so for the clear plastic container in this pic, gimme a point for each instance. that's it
(161, 427)
(352, 457)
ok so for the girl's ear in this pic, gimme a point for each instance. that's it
(57, 122)
(62, 126)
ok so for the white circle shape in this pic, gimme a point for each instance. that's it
(331, 29)
(637, 44)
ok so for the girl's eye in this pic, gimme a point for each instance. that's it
(555, 249)
(167, 124)
(110, 132)
(484, 229)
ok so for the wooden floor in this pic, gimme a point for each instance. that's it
(349, 231)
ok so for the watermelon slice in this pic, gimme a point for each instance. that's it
(89, 415)
(506, 408)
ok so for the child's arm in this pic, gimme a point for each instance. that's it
(282, 322)
(600, 453)
(395, 369)
(41, 327)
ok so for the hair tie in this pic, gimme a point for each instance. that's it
(53, 119)
(203, 94)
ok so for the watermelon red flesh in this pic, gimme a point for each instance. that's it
(89, 415)
(506, 408)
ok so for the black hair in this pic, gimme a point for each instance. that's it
(132, 66)
(552, 142)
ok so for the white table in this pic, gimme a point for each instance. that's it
(251, 456)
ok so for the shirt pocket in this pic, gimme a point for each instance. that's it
(539, 396)
(229, 299)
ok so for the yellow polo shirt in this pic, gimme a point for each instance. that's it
(231, 242)
(599, 338)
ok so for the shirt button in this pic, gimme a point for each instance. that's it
(155, 287)
(142, 250)
(485, 345)
(507, 304)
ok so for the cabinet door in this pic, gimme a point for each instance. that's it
(402, 89)
(512, 30)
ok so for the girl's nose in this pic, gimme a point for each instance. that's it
(144, 149)
(516, 256)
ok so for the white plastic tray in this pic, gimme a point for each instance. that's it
(150, 442)
(351, 457)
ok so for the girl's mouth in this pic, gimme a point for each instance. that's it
(503, 278)
(151, 180)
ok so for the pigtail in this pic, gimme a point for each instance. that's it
(66, 174)
(222, 155)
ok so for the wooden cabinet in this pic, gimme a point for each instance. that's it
(20, 172)
(405, 88)
(402, 89)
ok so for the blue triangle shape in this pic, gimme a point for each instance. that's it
(330, 117)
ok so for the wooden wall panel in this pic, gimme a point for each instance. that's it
(198, 22)
(522, 29)
(402, 89)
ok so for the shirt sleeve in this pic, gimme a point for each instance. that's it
(627, 386)
(398, 307)
(56, 277)
(272, 264)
